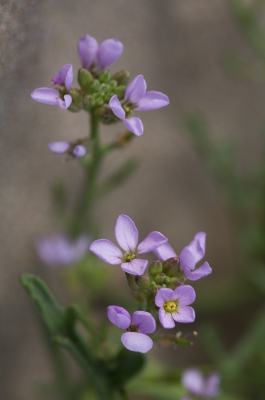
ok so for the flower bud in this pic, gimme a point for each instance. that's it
(89, 102)
(95, 85)
(105, 114)
(119, 91)
(122, 77)
(143, 281)
(155, 268)
(105, 76)
(77, 98)
(84, 79)
(171, 266)
(161, 279)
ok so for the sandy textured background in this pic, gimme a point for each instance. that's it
(178, 46)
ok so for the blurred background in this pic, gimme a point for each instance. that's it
(187, 49)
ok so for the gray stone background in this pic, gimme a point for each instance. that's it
(178, 46)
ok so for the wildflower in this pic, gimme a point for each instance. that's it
(189, 257)
(137, 326)
(105, 54)
(127, 237)
(199, 386)
(52, 96)
(60, 250)
(76, 150)
(174, 305)
(136, 98)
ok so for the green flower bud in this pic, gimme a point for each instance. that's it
(99, 102)
(161, 279)
(119, 91)
(94, 86)
(105, 114)
(143, 281)
(77, 98)
(84, 79)
(105, 76)
(89, 102)
(171, 266)
(155, 268)
(112, 85)
(73, 108)
(122, 77)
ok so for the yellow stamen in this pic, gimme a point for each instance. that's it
(171, 306)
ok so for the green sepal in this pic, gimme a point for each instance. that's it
(84, 79)
(122, 77)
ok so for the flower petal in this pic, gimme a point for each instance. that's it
(144, 321)
(163, 295)
(152, 100)
(200, 272)
(116, 107)
(212, 384)
(66, 103)
(108, 52)
(136, 89)
(193, 380)
(65, 76)
(59, 147)
(126, 233)
(197, 246)
(107, 251)
(119, 316)
(185, 314)
(79, 150)
(153, 240)
(45, 95)
(165, 319)
(184, 294)
(187, 261)
(134, 125)
(136, 341)
(87, 50)
(164, 252)
(135, 267)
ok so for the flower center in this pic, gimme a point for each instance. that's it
(133, 328)
(127, 257)
(170, 306)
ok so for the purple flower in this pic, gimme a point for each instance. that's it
(67, 147)
(52, 96)
(189, 257)
(106, 53)
(137, 326)
(174, 305)
(137, 98)
(60, 250)
(127, 236)
(201, 387)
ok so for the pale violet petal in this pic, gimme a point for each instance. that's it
(66, 103)
(200, 272)
(187, 261)
(212, 385)
(165, 319)
(197, 246)
(184, 294)
(153, 240)
(185, 314)
(144, 321)
(59, 147)
(136, 89)
(116, 107)
(79, 150)
(164, 252)
(108, 52)
(135, 267)
(134, 125)
(87, 50)
(163, 295)
(193, 380)
(45, 95)
(152, 101)
(107, 251)
(126, 233)
(119, 317)
(136, 341)
(65, 76)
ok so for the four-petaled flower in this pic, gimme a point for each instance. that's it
(52, 96)
(66, 147)
(174, 305)
(106, 53)
(189, 257)
(60, 250)
(138, 99)
(137, 326)
(127, 236)
(199, 386)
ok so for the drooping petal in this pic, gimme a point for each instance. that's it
(108, 52)
(59, 147)
(152, 100)
(116, 107)
(197, 246)
(212, 385)
(144, 321)
(134, 125)
(87, 50)
(185, 314)
(136, 89)
(200, 272)
(164, 252)
(79, 150)
(66, 103)
(135, 267)
(163, 295)
(193, 380)
(107, 251)
(45, 95)
(119, 316)
(165, 319)
(184, 294)
(126, 233)
(187, 260)
(65, 76)
(136, 341)
(153, 240)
